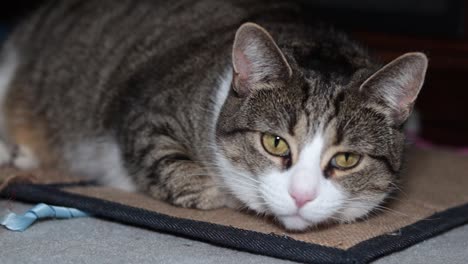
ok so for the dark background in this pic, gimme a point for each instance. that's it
(389, 28)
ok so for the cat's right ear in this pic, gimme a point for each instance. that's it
(257, 60)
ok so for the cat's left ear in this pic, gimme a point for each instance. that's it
(398, 83)
(257, 60)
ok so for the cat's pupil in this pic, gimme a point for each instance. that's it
(346, 156)
(277, 141)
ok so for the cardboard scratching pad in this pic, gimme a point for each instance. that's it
(433, 199)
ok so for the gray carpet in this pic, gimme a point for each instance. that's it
(90, 240)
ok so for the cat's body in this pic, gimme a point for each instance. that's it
(145, 95)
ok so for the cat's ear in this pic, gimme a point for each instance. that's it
(397, 84)
(256, 60)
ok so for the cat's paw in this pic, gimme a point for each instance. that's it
(25, 159)
(205, 199)
(17, 156)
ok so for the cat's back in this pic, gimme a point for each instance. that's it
(125, 33)
(78, 50)
(88, 41)
(76, 58)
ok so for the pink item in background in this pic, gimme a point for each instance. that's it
(425, 144)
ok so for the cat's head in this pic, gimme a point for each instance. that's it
(308, 151)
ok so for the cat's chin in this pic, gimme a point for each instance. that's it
(294, 222)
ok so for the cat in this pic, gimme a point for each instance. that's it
(206, 104)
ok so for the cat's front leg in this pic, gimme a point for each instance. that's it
(185, 183)
(167, 173)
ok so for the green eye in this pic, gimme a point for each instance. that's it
(275, 145)
(345, 160)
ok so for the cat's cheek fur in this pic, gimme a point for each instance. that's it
(240, 184)
(356, 209)
(274, 190)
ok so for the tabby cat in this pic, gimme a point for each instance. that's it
(207, 104)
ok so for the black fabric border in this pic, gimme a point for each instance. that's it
(272, 245)
(410, 235)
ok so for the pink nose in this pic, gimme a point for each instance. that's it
(301, 198)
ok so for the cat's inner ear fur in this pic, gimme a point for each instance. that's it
(397, 84)
(257, 60)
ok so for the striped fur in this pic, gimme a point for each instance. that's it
(158, 93)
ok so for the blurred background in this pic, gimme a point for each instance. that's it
(389, 28)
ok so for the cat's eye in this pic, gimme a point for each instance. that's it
(275, 145)
(345, 160)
